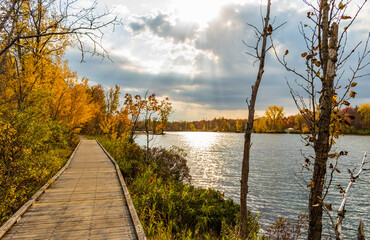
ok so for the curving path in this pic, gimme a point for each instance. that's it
(86, 202)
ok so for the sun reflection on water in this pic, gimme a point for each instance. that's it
(200, 140)
(202, 147)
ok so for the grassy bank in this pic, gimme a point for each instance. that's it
(167, 205)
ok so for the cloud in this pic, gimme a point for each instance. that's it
(161, 25)
(205, 71)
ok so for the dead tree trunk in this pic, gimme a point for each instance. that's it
(321, 144)
(248, 131)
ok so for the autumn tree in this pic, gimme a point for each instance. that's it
(275, 116)
(42, 21)
(239, 125)
(165, 110)
(134, 107)
(326, 61)
(150, 109)
(260, 125)
(112, 99)
(117, 125)
(42, 102)
(97, 96)
(364, 111)
(225, 126)
(147, 111)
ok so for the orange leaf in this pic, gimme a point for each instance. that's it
(346, 17)
(304, 54)
(308, 57)
(286, 52)
(329, 207)
(352, 94)
(269, 28)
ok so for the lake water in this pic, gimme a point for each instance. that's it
(276, 159)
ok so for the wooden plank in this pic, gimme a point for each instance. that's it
(87, 201)
(8, 224)
(138, 228)
(105, 233)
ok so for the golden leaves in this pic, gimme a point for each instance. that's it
(346, 17)
(352, 94)
(341, 6)
(336, 134)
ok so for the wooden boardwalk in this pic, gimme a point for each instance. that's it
(87, 201)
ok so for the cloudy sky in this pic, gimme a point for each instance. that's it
(192, 51)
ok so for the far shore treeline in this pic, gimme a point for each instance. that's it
(355, 120)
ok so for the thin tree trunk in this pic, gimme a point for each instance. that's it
(341, 210)
(322, 146)
(248, 132)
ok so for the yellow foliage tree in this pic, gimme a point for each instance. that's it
(364, 111)
(260, 125)
(275, 117)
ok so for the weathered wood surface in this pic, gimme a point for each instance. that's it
(86, 202)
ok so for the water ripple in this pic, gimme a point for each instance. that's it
(215, 161)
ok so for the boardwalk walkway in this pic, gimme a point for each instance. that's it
(86, 202)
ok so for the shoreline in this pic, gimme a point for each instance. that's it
(349, 134)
